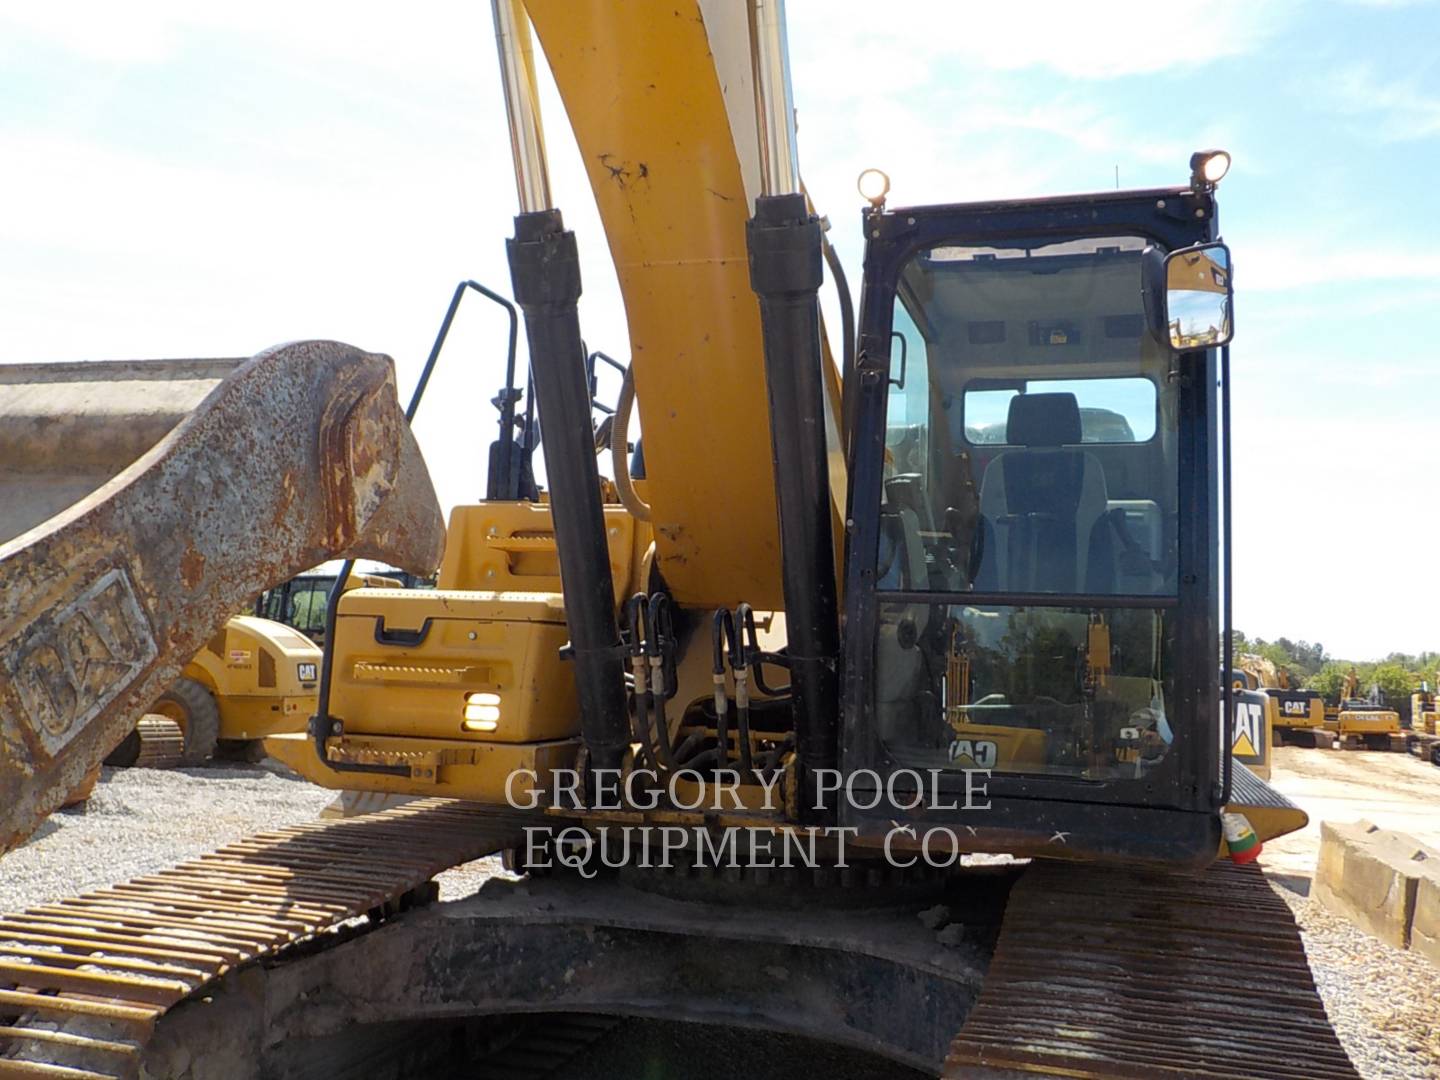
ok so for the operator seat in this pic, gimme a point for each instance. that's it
(1043, 505)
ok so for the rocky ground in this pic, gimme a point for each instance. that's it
(1383, 1001)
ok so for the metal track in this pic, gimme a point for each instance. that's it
(162, 742)
(83, 981)
(1105, 973)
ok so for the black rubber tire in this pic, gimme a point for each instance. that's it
(201, 721)
(1435, 754)
(127, 753)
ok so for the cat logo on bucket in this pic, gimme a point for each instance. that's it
(1249, 728)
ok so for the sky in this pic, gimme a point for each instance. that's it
(207, 180)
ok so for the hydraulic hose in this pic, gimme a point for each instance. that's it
(739, 662)
(658, 632)
(755, 657)
(722, 633)
(620, 448)
(848, 381)
(640, 717)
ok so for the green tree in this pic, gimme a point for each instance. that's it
(1394, 681)
(1329, 679)
(1276, 654)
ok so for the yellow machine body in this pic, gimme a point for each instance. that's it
(1359, 720)
(463, 684)
(1306, 715)
(1294, 709)
(1424, 713)
(672, 155)
(263, 676)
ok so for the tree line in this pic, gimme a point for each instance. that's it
(1311, 667)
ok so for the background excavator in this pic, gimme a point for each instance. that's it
(1358, 721)
(970, 681)
(1297, 715)
(1424, 736)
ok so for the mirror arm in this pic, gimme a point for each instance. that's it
(1152, 292)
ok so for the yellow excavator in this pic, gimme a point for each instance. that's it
(1425, 710)
(1297, 715)
(1424, 737)
(835, 723)
(1362, 721)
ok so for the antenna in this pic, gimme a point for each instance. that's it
(1117, 176)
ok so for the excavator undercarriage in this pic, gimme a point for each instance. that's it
(322, 943)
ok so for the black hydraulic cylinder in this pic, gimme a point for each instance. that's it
(545, 271)
(785, 259)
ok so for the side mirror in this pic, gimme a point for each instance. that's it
(1189, 296)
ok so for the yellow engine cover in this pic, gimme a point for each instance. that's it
(407, 660)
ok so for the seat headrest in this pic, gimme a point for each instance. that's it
(1043, 420)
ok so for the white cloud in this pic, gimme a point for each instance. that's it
(1305, 261)
(1394, 110)
(366, 33)
(897, 47)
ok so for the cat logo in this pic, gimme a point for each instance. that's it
(1296, 708)
(982, 752)
(1249, 723)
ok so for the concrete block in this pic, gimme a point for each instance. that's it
(1425, 927)
(1372, 876)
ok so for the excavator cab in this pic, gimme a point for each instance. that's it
(1022, 597)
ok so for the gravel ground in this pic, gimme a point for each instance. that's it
(1385, 1003)
(139, 821)
(142, 820)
